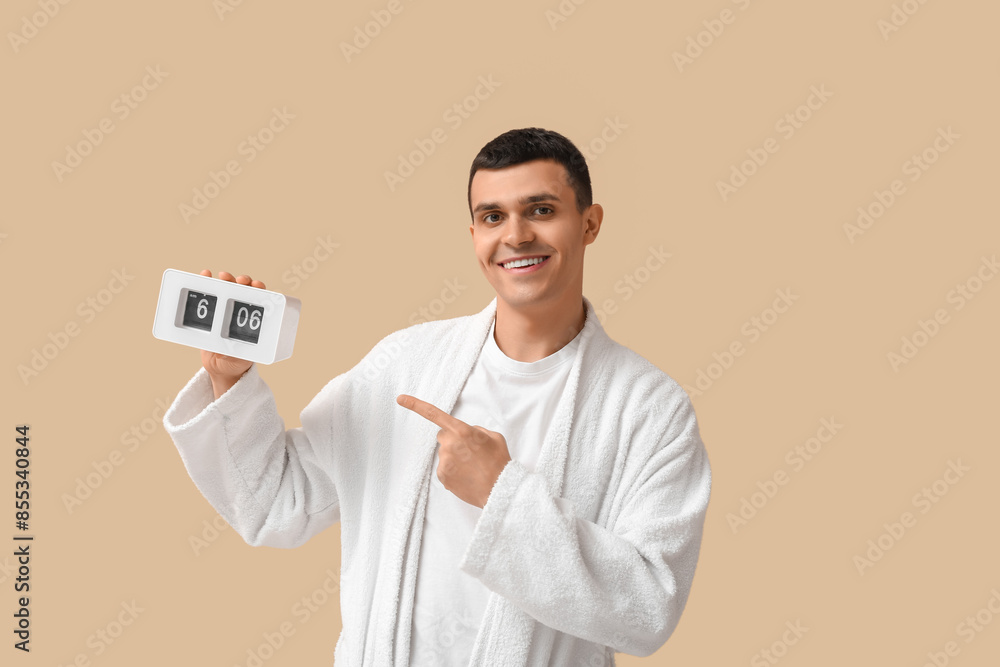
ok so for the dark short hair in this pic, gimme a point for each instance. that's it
(532, 143)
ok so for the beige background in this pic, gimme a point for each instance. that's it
(680, 131)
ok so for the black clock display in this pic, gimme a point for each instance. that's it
(245, 323)
(199, 310)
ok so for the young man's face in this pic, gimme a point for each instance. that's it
(529, 210)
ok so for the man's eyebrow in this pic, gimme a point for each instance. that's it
(528, 199)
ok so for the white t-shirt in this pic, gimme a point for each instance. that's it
(516, 399)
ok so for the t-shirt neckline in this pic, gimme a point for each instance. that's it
(493, 352)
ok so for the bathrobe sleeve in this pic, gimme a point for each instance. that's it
(624, 585)
(272, 485)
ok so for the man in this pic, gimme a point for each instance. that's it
(563, 522)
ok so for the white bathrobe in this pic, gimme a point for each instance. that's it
(593, 553)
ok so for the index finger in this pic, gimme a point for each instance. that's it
(428, 411)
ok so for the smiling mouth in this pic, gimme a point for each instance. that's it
(513, 265)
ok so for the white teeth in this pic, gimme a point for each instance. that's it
(522, 262)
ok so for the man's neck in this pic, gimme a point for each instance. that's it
(530, 335)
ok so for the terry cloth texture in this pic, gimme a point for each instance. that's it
(592, 553)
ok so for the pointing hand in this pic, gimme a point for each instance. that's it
(471, 458)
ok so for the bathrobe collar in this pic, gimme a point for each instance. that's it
(395, 592)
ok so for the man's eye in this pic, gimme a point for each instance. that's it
(545, 210)
(487, 217)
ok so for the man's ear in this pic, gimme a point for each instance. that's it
(593, 217)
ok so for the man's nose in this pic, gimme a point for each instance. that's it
(518, 230)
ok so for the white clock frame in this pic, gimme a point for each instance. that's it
(277, 325)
